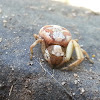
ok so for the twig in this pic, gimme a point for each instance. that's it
(11, 90)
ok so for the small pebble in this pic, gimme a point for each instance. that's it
(73, 93)
(76, 81)
(63, 83)
(90, 70)
(90, 64)
(82, 90)
(14, 32)
(6, 16)
(12, 69)
(6, 53)
(41, 60)
(30, 63)
(0, 85)
(74, 14)
(75, 75)
(0, 10)
(4, 22)
(0, 39)
(13, 15)
(90, 78)
(76, 33)
(81, 46)
(98, 59)
(50, 9)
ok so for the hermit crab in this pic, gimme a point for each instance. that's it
(57, 46)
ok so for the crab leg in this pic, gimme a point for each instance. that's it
(36, 36)
(33, 45)
(85, 53)
(69, 51)
(43, 46)
(80, 56)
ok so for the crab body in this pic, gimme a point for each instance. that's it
(57, 46)
(54, 34)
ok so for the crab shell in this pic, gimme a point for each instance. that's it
(54, 34)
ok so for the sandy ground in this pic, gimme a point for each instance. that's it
(23, 79)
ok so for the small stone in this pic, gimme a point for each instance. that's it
(98, 59)
(26, 14)
(50, 8)
(41, 60)
(12, 15)
(4, 21)
(63, 83)
(74, 14)
(0, 85)
(6, 53)
(82, 90)
(12, 69)
(30, 63)
(29, 91)
(14, 32)
(97, 82)
(0, 10)
(75, 75)
(81, 46)
(76, 33)
(90, 64)
(90, 70)
(76, 81)
(0, 39)
(73, 93)
(6, 16)
(90, 78)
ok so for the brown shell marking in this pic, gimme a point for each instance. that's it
(54, 34)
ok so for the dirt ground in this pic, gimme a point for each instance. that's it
(22, 79)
